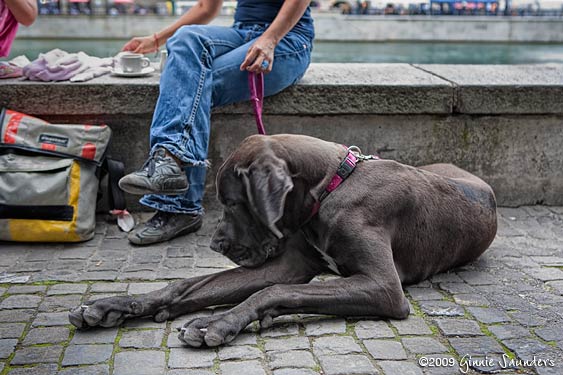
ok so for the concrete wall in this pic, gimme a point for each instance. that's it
(503, 123)
(329, 27)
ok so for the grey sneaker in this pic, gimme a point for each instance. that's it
(164, 226)
(159, 175)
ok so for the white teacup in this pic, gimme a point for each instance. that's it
(133, 62)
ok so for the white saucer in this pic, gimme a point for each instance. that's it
(117, 71)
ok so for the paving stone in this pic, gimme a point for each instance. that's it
(385, 349)
(292, 358)
(11, 278)
(51, 319)
(239, 352)
(295, 371)
(26, 289)
(290, 343)
(457, 288)
(331, 345)
(352, 364)
(143, 323)
(371, 329)
(144, 339)
(441, 308)
(489, 315)
(13, 316)
(550, 333)
(37, 354)
(477, 278)
(446, 277)
(48, 335)
(109, 287)
(191, 358)
(59, 303)
(184, 371)
(557, 285)
(179, 252)
(425, 294)
(87, 354)
(86, 370)
(43, 369)
(528, 318)
(94, 336)
(21, 301)
(548, 370)
(105, 265)
(545, 273)
(245, 367)
(324, 327)
(63, 265)
(471, 299)
(475, 346)
(509, 331)
(399, 368)
(59, 289)
(411, 326)
(146, 362)
(11, 330)
(526, 348)
(244, 339)
(7, 347)
(83, 252)
(142, 288)
(423, 345)
(280, 330)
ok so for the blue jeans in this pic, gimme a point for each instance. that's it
(202, 72)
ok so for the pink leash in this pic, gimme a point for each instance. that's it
(256, 84)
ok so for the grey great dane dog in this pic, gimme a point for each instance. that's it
(385, 226)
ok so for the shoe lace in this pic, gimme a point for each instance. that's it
(150, 163)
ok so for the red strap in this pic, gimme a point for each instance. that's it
(256, 84)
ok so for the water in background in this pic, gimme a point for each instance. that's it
(372, 52)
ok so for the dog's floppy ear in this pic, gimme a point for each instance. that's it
(267, 183)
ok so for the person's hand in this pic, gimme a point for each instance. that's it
(145, 44)
(260, 56)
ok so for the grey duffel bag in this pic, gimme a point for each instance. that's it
(49, 178)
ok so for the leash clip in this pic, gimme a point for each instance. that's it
(358, 154)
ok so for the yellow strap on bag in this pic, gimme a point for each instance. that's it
(51, 230)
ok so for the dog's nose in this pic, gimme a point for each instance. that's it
(219, 246)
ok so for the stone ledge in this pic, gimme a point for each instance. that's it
(502, 123)
(327, 89)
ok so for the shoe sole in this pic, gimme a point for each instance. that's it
(192, 228)
(137, 190)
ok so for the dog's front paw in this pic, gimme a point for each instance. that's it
(105, 312)
(213, 330)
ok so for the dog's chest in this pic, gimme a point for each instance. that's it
(312, 239)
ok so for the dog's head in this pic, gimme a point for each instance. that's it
(253, 186)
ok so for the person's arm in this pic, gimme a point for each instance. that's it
(263, 49)
(201, 13)
(25, 11)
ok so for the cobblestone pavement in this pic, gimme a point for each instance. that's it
(508, 306)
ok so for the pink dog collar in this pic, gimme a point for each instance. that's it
(345, 169)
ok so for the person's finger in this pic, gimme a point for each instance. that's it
(270, 66)
(257, 64)
(251, 56)
(128, 46)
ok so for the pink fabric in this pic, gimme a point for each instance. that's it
(8, 28)
(256, 84)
